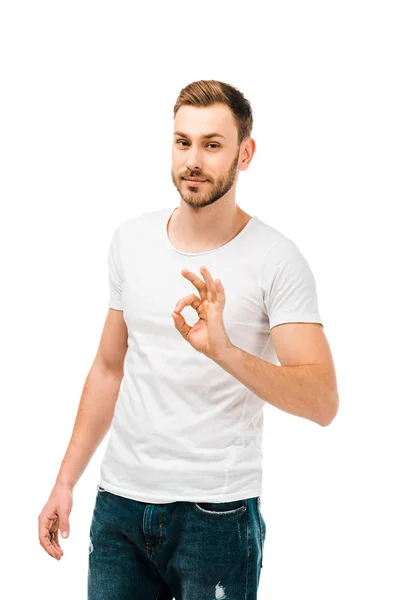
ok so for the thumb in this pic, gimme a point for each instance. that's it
(64, 525)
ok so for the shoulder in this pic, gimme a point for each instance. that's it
(272, 242)
(142, 222)
(282, 260)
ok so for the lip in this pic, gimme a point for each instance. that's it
(195, 181)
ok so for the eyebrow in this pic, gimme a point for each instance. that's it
(206, 135)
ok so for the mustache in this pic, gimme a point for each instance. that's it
(194, 176)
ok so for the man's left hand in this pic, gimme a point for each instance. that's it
(208, 334)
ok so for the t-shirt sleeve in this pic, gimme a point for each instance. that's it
(115, 272)
(288, 286)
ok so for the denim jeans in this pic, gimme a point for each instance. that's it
(181, 550)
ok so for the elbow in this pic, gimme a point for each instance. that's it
(330, 411)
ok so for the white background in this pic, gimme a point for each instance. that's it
(87, 92)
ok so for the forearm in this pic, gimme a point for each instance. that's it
(93, 420)
(302, 390)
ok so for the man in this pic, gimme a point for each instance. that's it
(177, 510)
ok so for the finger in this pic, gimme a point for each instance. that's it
(220, 289)
(181, 324)
(56, 541)
(44, 535)
(190, 300)
(56, 545)
(197, 282)
(212, 292)
(64, 523)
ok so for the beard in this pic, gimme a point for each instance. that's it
(198, 198)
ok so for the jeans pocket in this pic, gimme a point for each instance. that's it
(220, 509)
(262, 527)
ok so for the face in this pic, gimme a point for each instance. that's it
(213, 159)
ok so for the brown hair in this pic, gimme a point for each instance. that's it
(208, 92)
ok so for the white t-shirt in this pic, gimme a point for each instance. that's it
(184, 429)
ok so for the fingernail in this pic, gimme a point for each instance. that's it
(64, 534)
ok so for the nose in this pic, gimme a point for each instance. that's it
(193, 162)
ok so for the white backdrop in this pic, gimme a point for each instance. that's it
(86, 120)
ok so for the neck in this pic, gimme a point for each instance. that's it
(200, 230)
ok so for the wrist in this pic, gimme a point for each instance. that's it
(223, 353)
(64, 483)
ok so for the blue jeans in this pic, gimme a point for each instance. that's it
(181, 550)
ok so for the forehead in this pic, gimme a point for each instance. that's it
(196, 121)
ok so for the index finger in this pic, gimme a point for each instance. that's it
(197, 282)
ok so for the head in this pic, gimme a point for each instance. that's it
(204, 108)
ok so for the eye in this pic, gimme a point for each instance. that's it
(209, 144)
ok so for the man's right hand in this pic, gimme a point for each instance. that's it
(54, 517)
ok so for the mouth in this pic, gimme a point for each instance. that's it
(193, 181)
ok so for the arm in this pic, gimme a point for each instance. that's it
(305, 382)
(99, 396)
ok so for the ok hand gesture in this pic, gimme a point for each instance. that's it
(208, 335)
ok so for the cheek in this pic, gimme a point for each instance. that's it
(176, 160)
(176, 173)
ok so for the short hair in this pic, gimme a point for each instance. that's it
(208, 92)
